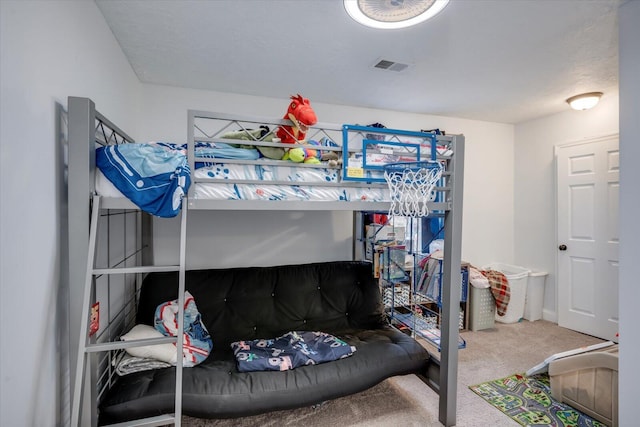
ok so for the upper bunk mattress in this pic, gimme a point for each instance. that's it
(281, 182)
(271, 182)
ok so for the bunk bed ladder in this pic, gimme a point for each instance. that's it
(84, 386)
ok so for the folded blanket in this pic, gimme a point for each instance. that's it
(154, 176)
(197, 343)
(129, 364)
(220, 150)
(293, 349)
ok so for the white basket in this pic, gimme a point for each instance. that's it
(483, 309)
(517, 277)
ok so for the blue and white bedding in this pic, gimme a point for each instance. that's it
(155, 176)
(289, 351)
(289, 193)
(264, 190)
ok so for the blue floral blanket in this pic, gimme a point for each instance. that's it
(291, 350)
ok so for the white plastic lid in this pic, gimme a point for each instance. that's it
(537, 273)
(511, 271)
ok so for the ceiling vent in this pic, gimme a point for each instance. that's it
(385, 64)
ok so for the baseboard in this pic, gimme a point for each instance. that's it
(551, 316)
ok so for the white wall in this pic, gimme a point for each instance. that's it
(267, 238)
(535, 206)
(49, 50)
(629, 16)
(54, 49)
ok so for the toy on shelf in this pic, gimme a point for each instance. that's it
(302, 155)
(302, 116)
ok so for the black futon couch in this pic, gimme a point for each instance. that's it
(341, 298)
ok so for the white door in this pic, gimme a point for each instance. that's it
(587, 279)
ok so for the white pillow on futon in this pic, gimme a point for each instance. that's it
(164, 352)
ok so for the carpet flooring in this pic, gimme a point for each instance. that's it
(385, 404)
(406, 401)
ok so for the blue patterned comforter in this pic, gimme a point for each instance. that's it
(291, 350)
(155, 175)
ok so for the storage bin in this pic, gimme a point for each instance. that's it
(396, 295)
(589, 383)
(517, 277)
(385, 233)
(482, 309)
(394, 267)
(430, 285)
(535, 295)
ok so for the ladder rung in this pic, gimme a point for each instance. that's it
(140, 269)
(444, 188)
(159, 420)
(117, 345)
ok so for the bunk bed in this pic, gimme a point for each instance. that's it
(352, 181)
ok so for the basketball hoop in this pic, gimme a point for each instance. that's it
(412, 186)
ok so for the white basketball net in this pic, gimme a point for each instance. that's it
(412, 187)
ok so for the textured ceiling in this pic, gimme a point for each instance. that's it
(496, 60)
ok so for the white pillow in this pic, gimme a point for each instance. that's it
(164, 352)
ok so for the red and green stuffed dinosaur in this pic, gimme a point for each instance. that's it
(302, 116)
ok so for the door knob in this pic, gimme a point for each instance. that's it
(562, 247)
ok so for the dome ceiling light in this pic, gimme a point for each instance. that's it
(584, 101)
(392, 14)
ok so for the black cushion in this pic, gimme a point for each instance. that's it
(264, 302)
(341, 298)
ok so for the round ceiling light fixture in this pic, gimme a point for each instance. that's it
(584, 101)
(392, 14)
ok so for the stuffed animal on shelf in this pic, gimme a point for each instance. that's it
(261, 134)
(302, 116)
(311, 155)
(302, 155)
(246, 135)
(333, 158)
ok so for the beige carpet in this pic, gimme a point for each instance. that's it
(383, 405)
(406, 401)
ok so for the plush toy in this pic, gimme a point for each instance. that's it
(302, 155)
(261, 134)
(302, 116)
(312, 155)
(333, 158)
(246, 135)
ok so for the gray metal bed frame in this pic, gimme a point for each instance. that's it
(84, 121)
